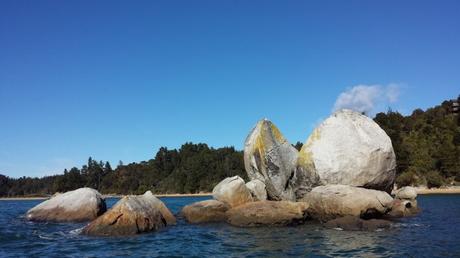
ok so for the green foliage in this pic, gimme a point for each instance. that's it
(426, 143)
(191, 169)
(406, 178)
(434, 179)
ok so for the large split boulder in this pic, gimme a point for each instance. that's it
(233, 191)
(132, 215)
(257, 188)
(78, 205)
(270, 158)
(348, 148)
(205, 211)
(268, 213)
(333, 201)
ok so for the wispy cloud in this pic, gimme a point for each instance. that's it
(368, 98)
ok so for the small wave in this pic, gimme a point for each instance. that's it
(76, 231)
(45, 237)
(339, 229)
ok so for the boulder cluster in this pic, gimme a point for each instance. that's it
(133, 214)
(342, 176)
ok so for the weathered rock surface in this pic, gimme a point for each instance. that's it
(403, 208)
(348, 148)
(257, 188)
(269, 157)
(356, 223)
(332, 201)
(131, 215)
(406, 193)
(205, 211)
(233, 191)
(78, 205)
(268, 213)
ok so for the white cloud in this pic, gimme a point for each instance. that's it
(368, 98)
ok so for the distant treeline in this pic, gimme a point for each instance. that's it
(427, 146)
(191, 169)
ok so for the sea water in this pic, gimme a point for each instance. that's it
(435, 232)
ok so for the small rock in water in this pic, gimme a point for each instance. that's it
(78, 205)
(205, 211)
(233, 191)
(406, 193)
(132, 215)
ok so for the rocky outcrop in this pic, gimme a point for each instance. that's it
(205, 211)
(131, 215)
(233, 191)
(269, 157)
(257, 188)
(356, 223)
(268, 213)
(406, 193)
(333, 201)
(405, 203)
(403, 208)
(348, 148)
(82, 204)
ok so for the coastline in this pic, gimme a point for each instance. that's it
(23, 198)
(420, 190)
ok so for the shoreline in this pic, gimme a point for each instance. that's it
(420, 191)
(105, 196)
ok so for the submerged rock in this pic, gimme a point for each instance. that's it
(332, 201)
(269, 157)
(132, 215)
(348, 148)
(74, 206)
(205, 211)
(233, 191)
(268, 213)
(356, 223)
(257, 188)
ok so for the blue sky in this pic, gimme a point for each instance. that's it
(116, 80)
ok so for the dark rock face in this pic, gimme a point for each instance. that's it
(270, 158)
(356, 223)
(205, 211)
(268, 213)
(78, 205)
(132, 215)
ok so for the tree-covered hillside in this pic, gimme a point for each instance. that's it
(427, 146)
(426, 143)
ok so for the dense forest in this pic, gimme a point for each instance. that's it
(426, 143)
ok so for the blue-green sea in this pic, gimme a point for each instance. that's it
(435, 232)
